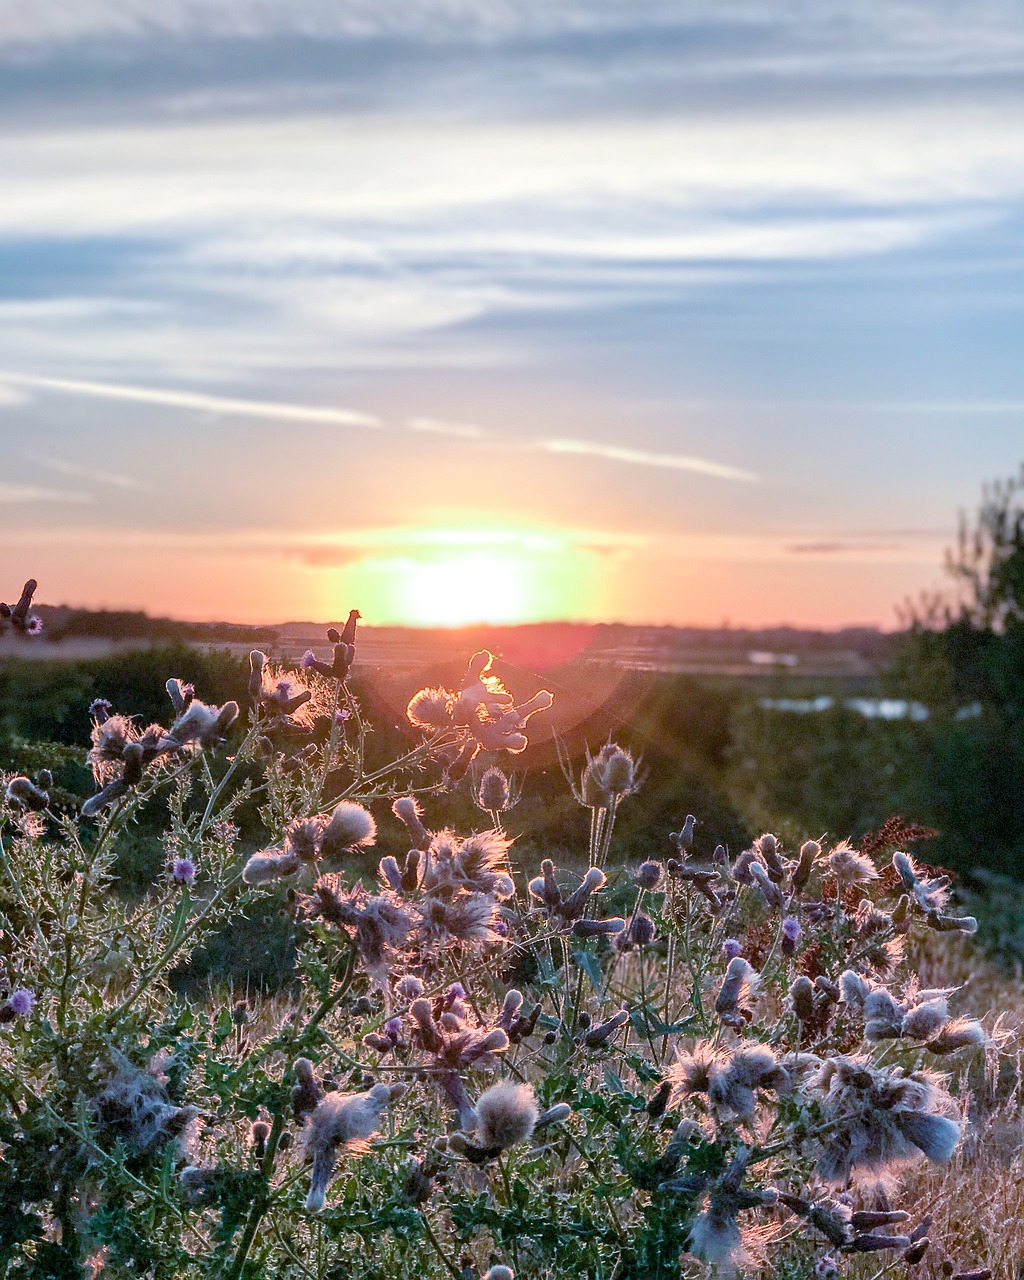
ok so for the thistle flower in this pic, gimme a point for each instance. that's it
(499, 1272)
(958, 1033)
(810, 851)
(466, 918)
(23, 793)
(767, 847)
(506, 1115)
(507, 732)
(18, 616)
(601, 1032)
(801, 998)
(267, 865)
(769, 888)
(409, 987)
(431, 708)
(731, 948)
(850, 867)
(351, 826)
(880, 1119)
(931, 895)
(183, 871)
(641, 930)
(483, 696)
(494, 794)
(377, 925)
(19, 1004)
(346, 1120)
(206, 726)
(307, 1091)
(648, 875)
(408, 811)
(131, 1106)
(790, 935)
(740, 982)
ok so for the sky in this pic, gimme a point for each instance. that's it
(679, 312)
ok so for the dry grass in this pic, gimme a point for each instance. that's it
(976, 1202)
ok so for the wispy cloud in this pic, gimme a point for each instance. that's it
(642, 458)
(199, 401)
(63, 467)
(11, 398)
(436, 426)
(11, 494)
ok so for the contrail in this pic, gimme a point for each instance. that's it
(198, 400)
(638, 457)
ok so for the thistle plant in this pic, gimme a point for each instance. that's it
(698, 1064)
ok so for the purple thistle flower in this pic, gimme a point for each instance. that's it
(731, 949)
(34, 625)
(308, 660)
(341, 716)
(393, 1028)
(790, 935)
(456, 991)
(20, 1001)
(183, 871)
(500, 928)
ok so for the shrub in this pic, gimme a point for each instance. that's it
(480, 1066)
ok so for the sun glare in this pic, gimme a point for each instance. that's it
(460, 588)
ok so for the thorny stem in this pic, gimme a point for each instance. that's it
(262, 1202)
(436, 1245)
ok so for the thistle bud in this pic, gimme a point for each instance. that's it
(810, 851)
(801, 995)
(494, 796)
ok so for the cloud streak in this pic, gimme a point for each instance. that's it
(110, 478)
(198, 401)
(16, 494)
(642, 458)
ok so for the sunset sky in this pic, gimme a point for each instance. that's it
(451, 310)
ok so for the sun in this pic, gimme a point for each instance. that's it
(458, 588)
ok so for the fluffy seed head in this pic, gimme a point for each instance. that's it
(351, 826)
(506, 1114)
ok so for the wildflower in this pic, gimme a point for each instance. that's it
(258, 1135)
(769, 889)
(493, 794)
(790, 935)
(507, 732)
(596, 928)
(740, 982)
(958, 1033)
(131, 1106)
(18, 1004)
(603, 1031)
(810, 851)
(850, 867)
(346, 1120)
(183, 871)
(648, 875)
(307, 1091)
(684, 836)
(431, 708)
(23, 793)
(351, 826)
(303, 838)
(280, 694)
(180, 694)
(715, 1235)
(483, 696)
(506, 1115)
(499, 1272)
(466, 917)
(268, 865)
(931, 895)
(880, 1119)
(801, 998)
(731, 948)
(641, 930)
(407, 810)
(478, 864)
(377, 925)
(201, 724)
(767, 847)
(18, 616)
(410, 987)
